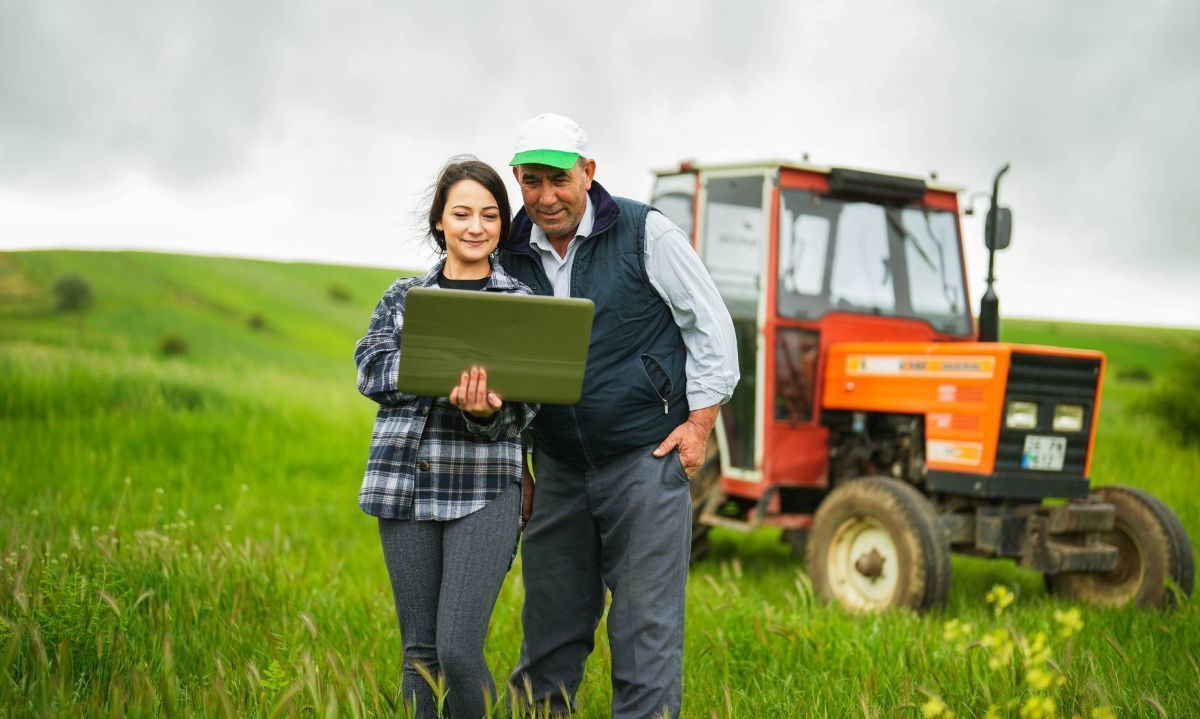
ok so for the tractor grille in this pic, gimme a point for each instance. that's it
(1049, 380)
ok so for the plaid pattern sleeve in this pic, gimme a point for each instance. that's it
(377, 354)
(428, 460)
(507, 424)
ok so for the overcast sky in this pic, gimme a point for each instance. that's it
(309, 130)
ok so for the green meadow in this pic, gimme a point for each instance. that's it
(179, 533)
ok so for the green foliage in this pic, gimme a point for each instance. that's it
(1136, 373)
(256, 322)
(274, 679)
(1027, 671)
(182, 538)
(338, 293)
(173, 345)
(1176, 399)
(73, 294)
(1147, 347)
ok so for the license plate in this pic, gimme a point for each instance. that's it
(1044, 453)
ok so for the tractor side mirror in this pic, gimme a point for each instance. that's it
(998, 229)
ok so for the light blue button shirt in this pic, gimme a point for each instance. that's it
(679, 277)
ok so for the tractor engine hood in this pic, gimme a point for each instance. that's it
(988, 407)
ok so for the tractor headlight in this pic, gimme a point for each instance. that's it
(1021, 415)
(1068, 418)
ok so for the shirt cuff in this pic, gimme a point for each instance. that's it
(701, 397)
(475, 423)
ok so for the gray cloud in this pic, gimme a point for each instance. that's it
(354, 105)
(178, 90)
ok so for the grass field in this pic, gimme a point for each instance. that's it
(180, 536)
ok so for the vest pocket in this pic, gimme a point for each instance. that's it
(658, 378)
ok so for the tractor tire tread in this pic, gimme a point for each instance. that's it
(1169, 555)
(1182, 566)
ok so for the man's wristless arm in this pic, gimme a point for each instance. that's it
(704, 418)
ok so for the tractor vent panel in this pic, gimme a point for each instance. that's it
(1049, 381)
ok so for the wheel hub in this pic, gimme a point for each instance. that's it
(863, 565)
(870, 565)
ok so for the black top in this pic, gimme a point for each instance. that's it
(448, 284)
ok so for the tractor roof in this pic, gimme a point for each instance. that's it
(693, 165)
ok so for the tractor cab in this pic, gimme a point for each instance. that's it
(806, 256)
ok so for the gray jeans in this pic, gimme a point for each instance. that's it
(445, 579)
(625, 527)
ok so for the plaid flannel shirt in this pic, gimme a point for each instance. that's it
(428, 459)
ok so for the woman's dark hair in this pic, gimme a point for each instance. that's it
(467, 167)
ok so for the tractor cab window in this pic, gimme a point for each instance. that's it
(734, 226)
(837, 255)
(675, 197)
(733, 240)
(862, 267)
(931, 256)
(804, 240)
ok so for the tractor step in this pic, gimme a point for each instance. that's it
(763, 513)
(750, 519)
(741, 525)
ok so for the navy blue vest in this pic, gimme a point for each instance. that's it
(635, 386)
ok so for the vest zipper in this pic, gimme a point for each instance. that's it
(666, 407)
(587, 456)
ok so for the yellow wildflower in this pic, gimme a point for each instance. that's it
(1038, 708)
(1040, 679)
(1000, 598)
(951, 630)
(999, 646)
(958, 632)
(1104, 712)
(1038, 651)
(1069, 622)
(993, 712)
(936, 708)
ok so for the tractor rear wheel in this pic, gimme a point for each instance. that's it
(1152, 547)
(875, 544)
(706, 481)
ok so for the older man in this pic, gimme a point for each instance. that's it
(612, 508)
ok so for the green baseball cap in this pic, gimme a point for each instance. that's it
(550, 139)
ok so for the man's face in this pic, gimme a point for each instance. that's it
(556, 199)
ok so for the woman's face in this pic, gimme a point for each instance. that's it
(471, 224)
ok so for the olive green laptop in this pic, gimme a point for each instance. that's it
(534, 348)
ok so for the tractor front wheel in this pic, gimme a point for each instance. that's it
(875, 544)
(1152, 547)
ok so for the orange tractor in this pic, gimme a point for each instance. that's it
(876, 422)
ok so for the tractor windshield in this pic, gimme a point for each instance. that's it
(675, 197)
(837, 255)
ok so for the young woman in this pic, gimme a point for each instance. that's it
(444, 473)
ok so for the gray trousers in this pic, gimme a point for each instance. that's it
(445, 579)
(625, 527)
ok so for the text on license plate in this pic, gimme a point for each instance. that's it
(1044, 453)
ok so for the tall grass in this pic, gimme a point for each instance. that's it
(180, 536)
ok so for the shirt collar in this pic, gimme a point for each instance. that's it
(430, 278)
(498, 280)
(538, 238)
